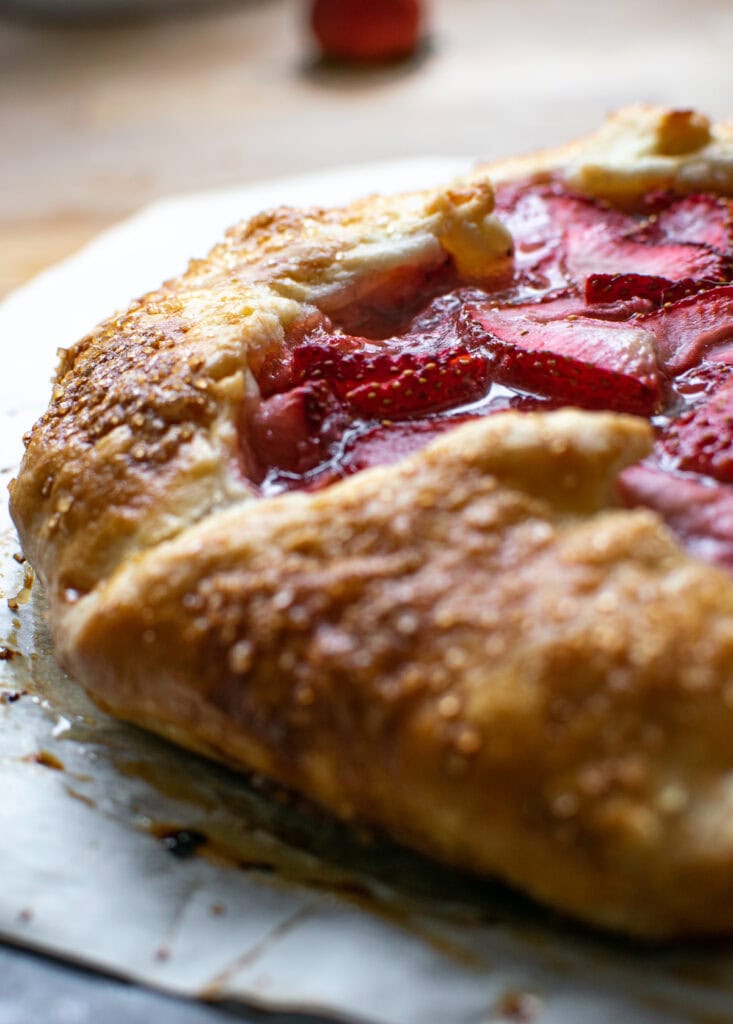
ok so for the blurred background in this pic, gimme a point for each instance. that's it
(107, 105)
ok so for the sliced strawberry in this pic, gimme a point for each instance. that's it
(701, 440)
(600, 240)
(571, 381)
(345, 362)
(701, 382)
(701, 219)
(378, 445)
(561, 237)
(582, 361)
(596, 249)
(384, 444)
(620, 287)
(571, 306)
(428, 385)
(691, 327)
(294, 431)
(701, 515)
(570, 211)
(538, 252)
(528, 216)
(614, 288)
(538, 217)
(541, 211)
(425, 370)
(434, 329)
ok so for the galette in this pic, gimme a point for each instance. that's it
(423, 507)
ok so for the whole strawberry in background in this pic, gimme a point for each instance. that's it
(367, 30)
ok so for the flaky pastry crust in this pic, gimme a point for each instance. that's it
(474, 649)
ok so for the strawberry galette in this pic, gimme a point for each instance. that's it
(424, 507)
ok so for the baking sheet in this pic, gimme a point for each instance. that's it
(124, 853)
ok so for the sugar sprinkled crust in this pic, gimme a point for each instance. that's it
(473, 649)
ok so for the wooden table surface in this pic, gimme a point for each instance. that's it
(96, 121)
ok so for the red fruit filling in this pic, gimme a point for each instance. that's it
(577, 360)
(697, 219)
(698, 510)
(701, 439)
(630, 312)
(691, 328)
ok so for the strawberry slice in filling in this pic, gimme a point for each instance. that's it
(577, 360)
(701, 514)
(606, 309)
(700, 440)
(593, 249)
(699, 219)
(688, 330)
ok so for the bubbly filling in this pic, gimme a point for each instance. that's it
(629, 312)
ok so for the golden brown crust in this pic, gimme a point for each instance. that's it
(473, 649)
(637, 149)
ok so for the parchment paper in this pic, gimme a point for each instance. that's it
(124, 853)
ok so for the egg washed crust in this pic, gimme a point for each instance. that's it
(474, 649)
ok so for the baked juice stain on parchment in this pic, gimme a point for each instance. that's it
(517, 1007)
(218, 984)
(46, 759)
(294, 845)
